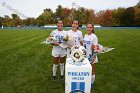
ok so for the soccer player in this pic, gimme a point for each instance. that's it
(58, 53)
(77, 34)
(90, 44)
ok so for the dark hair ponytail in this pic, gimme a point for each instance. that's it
(59, 20)
(92, 26)
(77, 21)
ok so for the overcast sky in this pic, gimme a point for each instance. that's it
(33, 8)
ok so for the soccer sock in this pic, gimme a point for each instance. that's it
(68, 52)
(54, 69)
(62, 69)
(92, 79)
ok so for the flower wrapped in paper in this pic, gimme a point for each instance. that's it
(68, 40)
(49, 40)
(98, 49)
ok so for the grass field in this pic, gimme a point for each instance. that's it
(26, 66)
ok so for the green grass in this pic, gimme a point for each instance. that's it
(26, 66)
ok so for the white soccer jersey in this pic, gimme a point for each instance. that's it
(90, 40)
(77, 38)
(59, 36)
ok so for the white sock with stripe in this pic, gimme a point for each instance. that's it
(62, 69)
(92, 79)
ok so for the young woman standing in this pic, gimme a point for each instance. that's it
(91, 44)
(76, 34)
(58, 53)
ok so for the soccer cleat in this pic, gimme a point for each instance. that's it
(62, 78)
(54, 78)
(92, 85)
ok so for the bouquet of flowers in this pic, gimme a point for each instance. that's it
(68, 40)
(49, 40)
(98, 49)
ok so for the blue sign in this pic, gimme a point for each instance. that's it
(77, 87)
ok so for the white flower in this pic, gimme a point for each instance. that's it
(49, 40)
(66, 38)
(78, 53)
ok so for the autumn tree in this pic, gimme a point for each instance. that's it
(29, 22)
(7, 21)
(137, 15)
(90, 15)
(65, 14)
(44, 18)
(16, 20)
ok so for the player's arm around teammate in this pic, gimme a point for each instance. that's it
(90, 42)
(58, 53)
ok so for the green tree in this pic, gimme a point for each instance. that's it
(44, 18)
(29, 22)
(77, 15)
(137, 14)
(83, 15)
(16, 20)
(7, 21)
(1, 21)
(128, 17)
(117, 16)
(58, 12)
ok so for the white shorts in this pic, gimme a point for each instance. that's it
(58, 55)
(58, 52)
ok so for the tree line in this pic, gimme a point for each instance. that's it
(116, 17)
